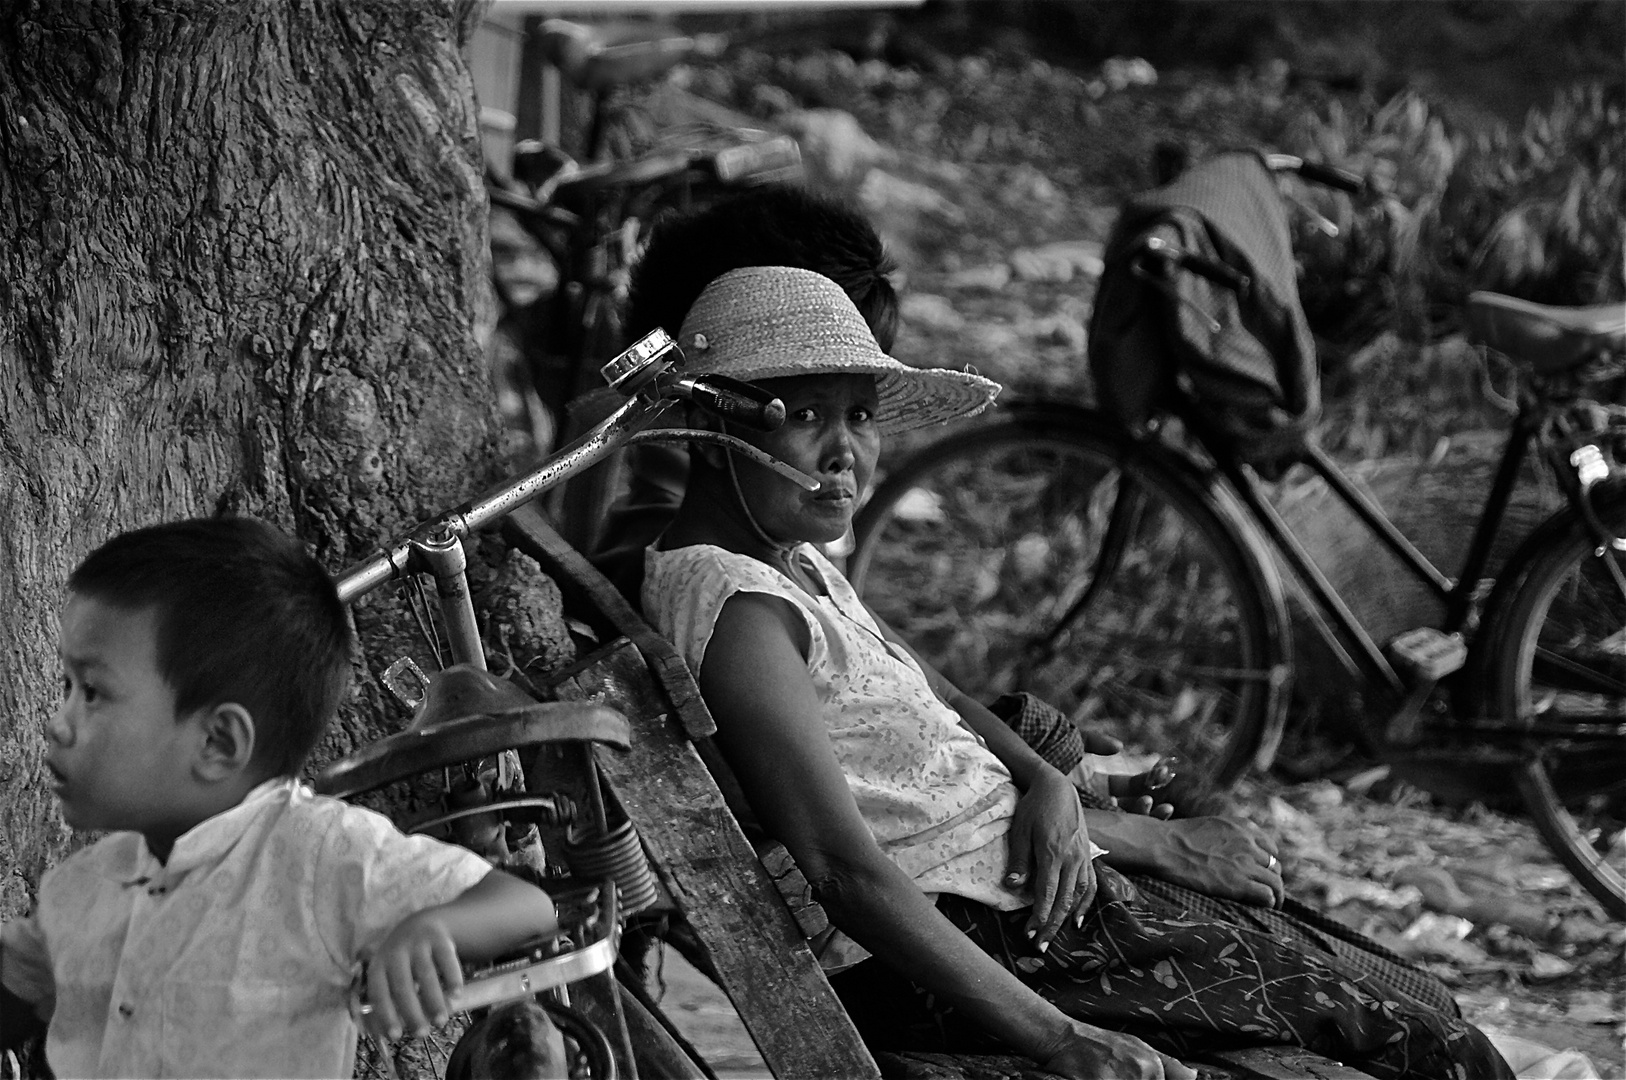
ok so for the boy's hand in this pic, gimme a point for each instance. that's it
(410, 974)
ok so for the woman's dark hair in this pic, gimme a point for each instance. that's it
(772, 225)
(243, 615)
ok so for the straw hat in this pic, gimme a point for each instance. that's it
(767, 322)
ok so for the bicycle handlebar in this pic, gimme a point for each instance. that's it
(1201, 265)
(732, 400)
(1176, 257)
(749, 161)
(648, 398)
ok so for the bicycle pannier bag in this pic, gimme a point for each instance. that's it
(1162, 335)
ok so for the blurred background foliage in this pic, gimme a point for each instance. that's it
(1494, 132)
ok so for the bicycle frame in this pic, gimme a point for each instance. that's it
(1350, 641)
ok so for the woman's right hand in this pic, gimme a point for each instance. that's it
(1049, 851)
(1088, 1053)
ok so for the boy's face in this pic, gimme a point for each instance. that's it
(119, 755)
(829, 433)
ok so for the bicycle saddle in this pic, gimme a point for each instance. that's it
(613, 54)
(468, 714)
(1547, 338)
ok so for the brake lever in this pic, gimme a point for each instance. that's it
(728, 442)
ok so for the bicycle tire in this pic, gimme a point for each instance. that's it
(587, 1048)
(1557, 660)
(989, 537)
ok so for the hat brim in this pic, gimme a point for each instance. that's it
(909, 398)
(778, 322)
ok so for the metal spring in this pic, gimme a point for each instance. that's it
(617, 855)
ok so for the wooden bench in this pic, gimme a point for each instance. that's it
(752, 911)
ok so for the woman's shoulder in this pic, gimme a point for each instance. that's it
(685, 589)
(704, 568)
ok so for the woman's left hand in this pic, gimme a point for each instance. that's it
(1050, 851)
(1221, 856)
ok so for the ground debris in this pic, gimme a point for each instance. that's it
(1470, 894)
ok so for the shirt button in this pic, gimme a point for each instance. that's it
(126, 1010)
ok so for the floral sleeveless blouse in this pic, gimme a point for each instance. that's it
(936, 798)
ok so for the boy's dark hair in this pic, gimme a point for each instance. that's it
(243, 614)
(771, 225)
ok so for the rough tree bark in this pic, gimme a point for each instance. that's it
(242, 263)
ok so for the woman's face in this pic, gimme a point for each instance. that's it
(829, 433)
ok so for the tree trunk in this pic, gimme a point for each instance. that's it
(242, 264)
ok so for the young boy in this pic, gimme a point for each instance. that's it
(216, 931)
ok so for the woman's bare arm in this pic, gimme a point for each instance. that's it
(1223, 857)
(1049, 838)
(771, 731)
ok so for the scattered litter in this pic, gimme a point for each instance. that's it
(1434, 936)
(1596, 1007)
(1545, 965)
(1362, 782)
(1580, 930)
(1442, 892)
(1544, 878)
(1297, 831)
(1531, 1060)
(1340, 891)
(1324, 795)
(1431, 927)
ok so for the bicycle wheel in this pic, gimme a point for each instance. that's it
(1044, 552)
(515, 1047)
(1558, 671)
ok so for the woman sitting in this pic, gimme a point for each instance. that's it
(936, 839)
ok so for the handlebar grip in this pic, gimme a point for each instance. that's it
(732, 399)
(1333, 177)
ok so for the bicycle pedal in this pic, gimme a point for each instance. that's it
(1427, 655)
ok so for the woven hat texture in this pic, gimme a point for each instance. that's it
(767, 322)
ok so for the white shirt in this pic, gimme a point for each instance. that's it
(937, 800)
(234, 958)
